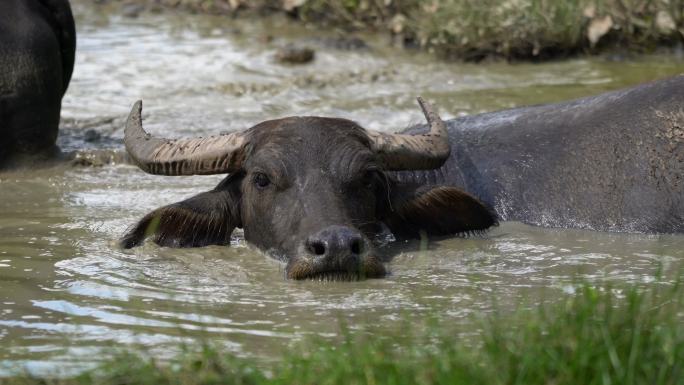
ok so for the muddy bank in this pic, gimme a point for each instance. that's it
(472, 30)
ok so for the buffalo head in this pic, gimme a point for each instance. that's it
(309, 191)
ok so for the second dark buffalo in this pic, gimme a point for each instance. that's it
(37, 48)
(310, 191)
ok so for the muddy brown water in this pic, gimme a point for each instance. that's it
(68, 294)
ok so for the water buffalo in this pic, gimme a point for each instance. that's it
(313, 191)
(37, 47)
(310, 191)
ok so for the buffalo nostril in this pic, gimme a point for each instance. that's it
(317, 247)
(335, 245)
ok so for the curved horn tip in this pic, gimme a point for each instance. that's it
(426, 107)
(137, 107)
(135, 116)
(136, 112)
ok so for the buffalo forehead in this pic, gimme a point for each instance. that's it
(308, 127)
(300, 141)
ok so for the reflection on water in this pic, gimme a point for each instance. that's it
(67, 291)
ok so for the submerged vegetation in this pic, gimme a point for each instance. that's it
(595, 336)
(479, 29)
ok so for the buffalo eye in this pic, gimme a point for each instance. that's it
(261, 181)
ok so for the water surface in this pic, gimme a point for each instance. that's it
(68, 292)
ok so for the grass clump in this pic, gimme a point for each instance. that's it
(592, 337)
(538, 29)
(513, 29)
(473, 30)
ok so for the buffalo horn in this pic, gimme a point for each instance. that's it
(414, 152)
(196, 156)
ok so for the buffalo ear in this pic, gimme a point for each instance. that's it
(435, 210)
(205, 219)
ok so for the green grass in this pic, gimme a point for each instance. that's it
(479, 29)
(596, 336)
(539, 29)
